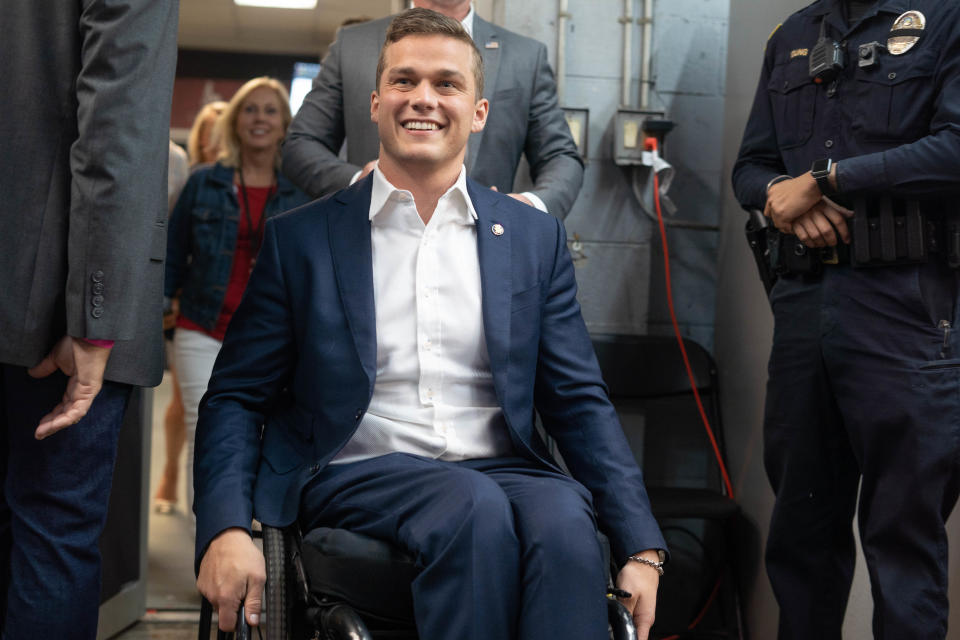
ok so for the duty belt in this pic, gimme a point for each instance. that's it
(884, 232)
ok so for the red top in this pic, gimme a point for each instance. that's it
(244, 255)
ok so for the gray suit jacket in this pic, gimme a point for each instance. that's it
(83, 161)
(524, 118)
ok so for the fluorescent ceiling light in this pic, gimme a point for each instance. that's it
(278, 4)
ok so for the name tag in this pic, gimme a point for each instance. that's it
(796, 53)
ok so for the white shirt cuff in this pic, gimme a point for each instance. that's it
(535, 200)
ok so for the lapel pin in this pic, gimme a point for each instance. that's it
(497, 229)
(493, 44)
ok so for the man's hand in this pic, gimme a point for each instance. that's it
(641, 582)
(517, 196)
(84, 363)
(819, 226)
(790, 199)
(233, 569)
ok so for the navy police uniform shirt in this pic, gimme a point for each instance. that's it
(893, 128)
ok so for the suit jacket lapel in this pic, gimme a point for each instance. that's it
(349, 235)
(486, 39)
(495, 280)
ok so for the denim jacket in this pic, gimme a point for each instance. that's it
(202, 237)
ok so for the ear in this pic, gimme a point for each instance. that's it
(480, 113)
(374, 107)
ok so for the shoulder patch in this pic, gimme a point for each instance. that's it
(774, 31)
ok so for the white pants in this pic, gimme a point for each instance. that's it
(194, 352)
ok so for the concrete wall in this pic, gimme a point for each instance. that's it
(618, 259)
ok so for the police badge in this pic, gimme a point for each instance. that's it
(906, 32)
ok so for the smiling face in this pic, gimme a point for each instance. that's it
(260, 120)
(426, 104)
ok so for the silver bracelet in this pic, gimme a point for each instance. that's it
(775, 181)
(650, 563)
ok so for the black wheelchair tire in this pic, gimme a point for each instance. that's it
(278, 594)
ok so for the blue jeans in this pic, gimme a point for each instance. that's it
(52, 507)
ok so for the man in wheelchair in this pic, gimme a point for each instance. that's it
(382, 373)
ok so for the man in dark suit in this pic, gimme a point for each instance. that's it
(394, 341)
(524, 116)
(83, 156)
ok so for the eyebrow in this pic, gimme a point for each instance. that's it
(408, 71)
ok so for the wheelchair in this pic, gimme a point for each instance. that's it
(333, 584)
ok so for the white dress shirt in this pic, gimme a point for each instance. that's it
(434, 394)
(534, 199)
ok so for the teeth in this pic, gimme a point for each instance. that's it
(421, 126)
(259, 132)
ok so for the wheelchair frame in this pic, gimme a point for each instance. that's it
(302, 614)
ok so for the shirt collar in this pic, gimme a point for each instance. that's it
(467, 21)
(383, 192)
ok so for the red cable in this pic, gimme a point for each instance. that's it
(651, 144)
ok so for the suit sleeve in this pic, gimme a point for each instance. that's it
(555, 163)
(310, 151)
(253, 366)
(572, 401)
(118, 164)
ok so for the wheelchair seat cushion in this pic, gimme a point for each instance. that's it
(371, 575)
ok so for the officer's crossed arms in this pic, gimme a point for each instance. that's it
(798, 206)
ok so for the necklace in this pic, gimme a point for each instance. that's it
(256, 235)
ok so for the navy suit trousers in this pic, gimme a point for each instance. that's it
(53, 506)
(506, 548)
(864, 390)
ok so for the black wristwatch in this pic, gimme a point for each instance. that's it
(821, 173)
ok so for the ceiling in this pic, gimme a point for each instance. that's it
(221, 25)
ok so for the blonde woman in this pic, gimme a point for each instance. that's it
(215, 233)
(202, 144)
(202, 148)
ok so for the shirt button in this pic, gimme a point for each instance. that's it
(96, 312)
(892, 75)
(359, 414)
(828, 144)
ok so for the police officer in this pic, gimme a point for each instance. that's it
(852, 150)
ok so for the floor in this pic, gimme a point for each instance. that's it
(173, 604)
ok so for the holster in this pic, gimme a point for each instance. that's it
(757, 238)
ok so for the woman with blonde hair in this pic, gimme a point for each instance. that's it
(216, 230)
(202, 144)
(202, 148)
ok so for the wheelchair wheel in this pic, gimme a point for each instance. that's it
(280, 597)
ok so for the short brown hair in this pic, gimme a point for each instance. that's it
(424, 22)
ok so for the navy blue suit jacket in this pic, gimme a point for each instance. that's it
(300, 358)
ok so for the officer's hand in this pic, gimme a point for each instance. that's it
(820, 226)
(232, 570)
(790, 199)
